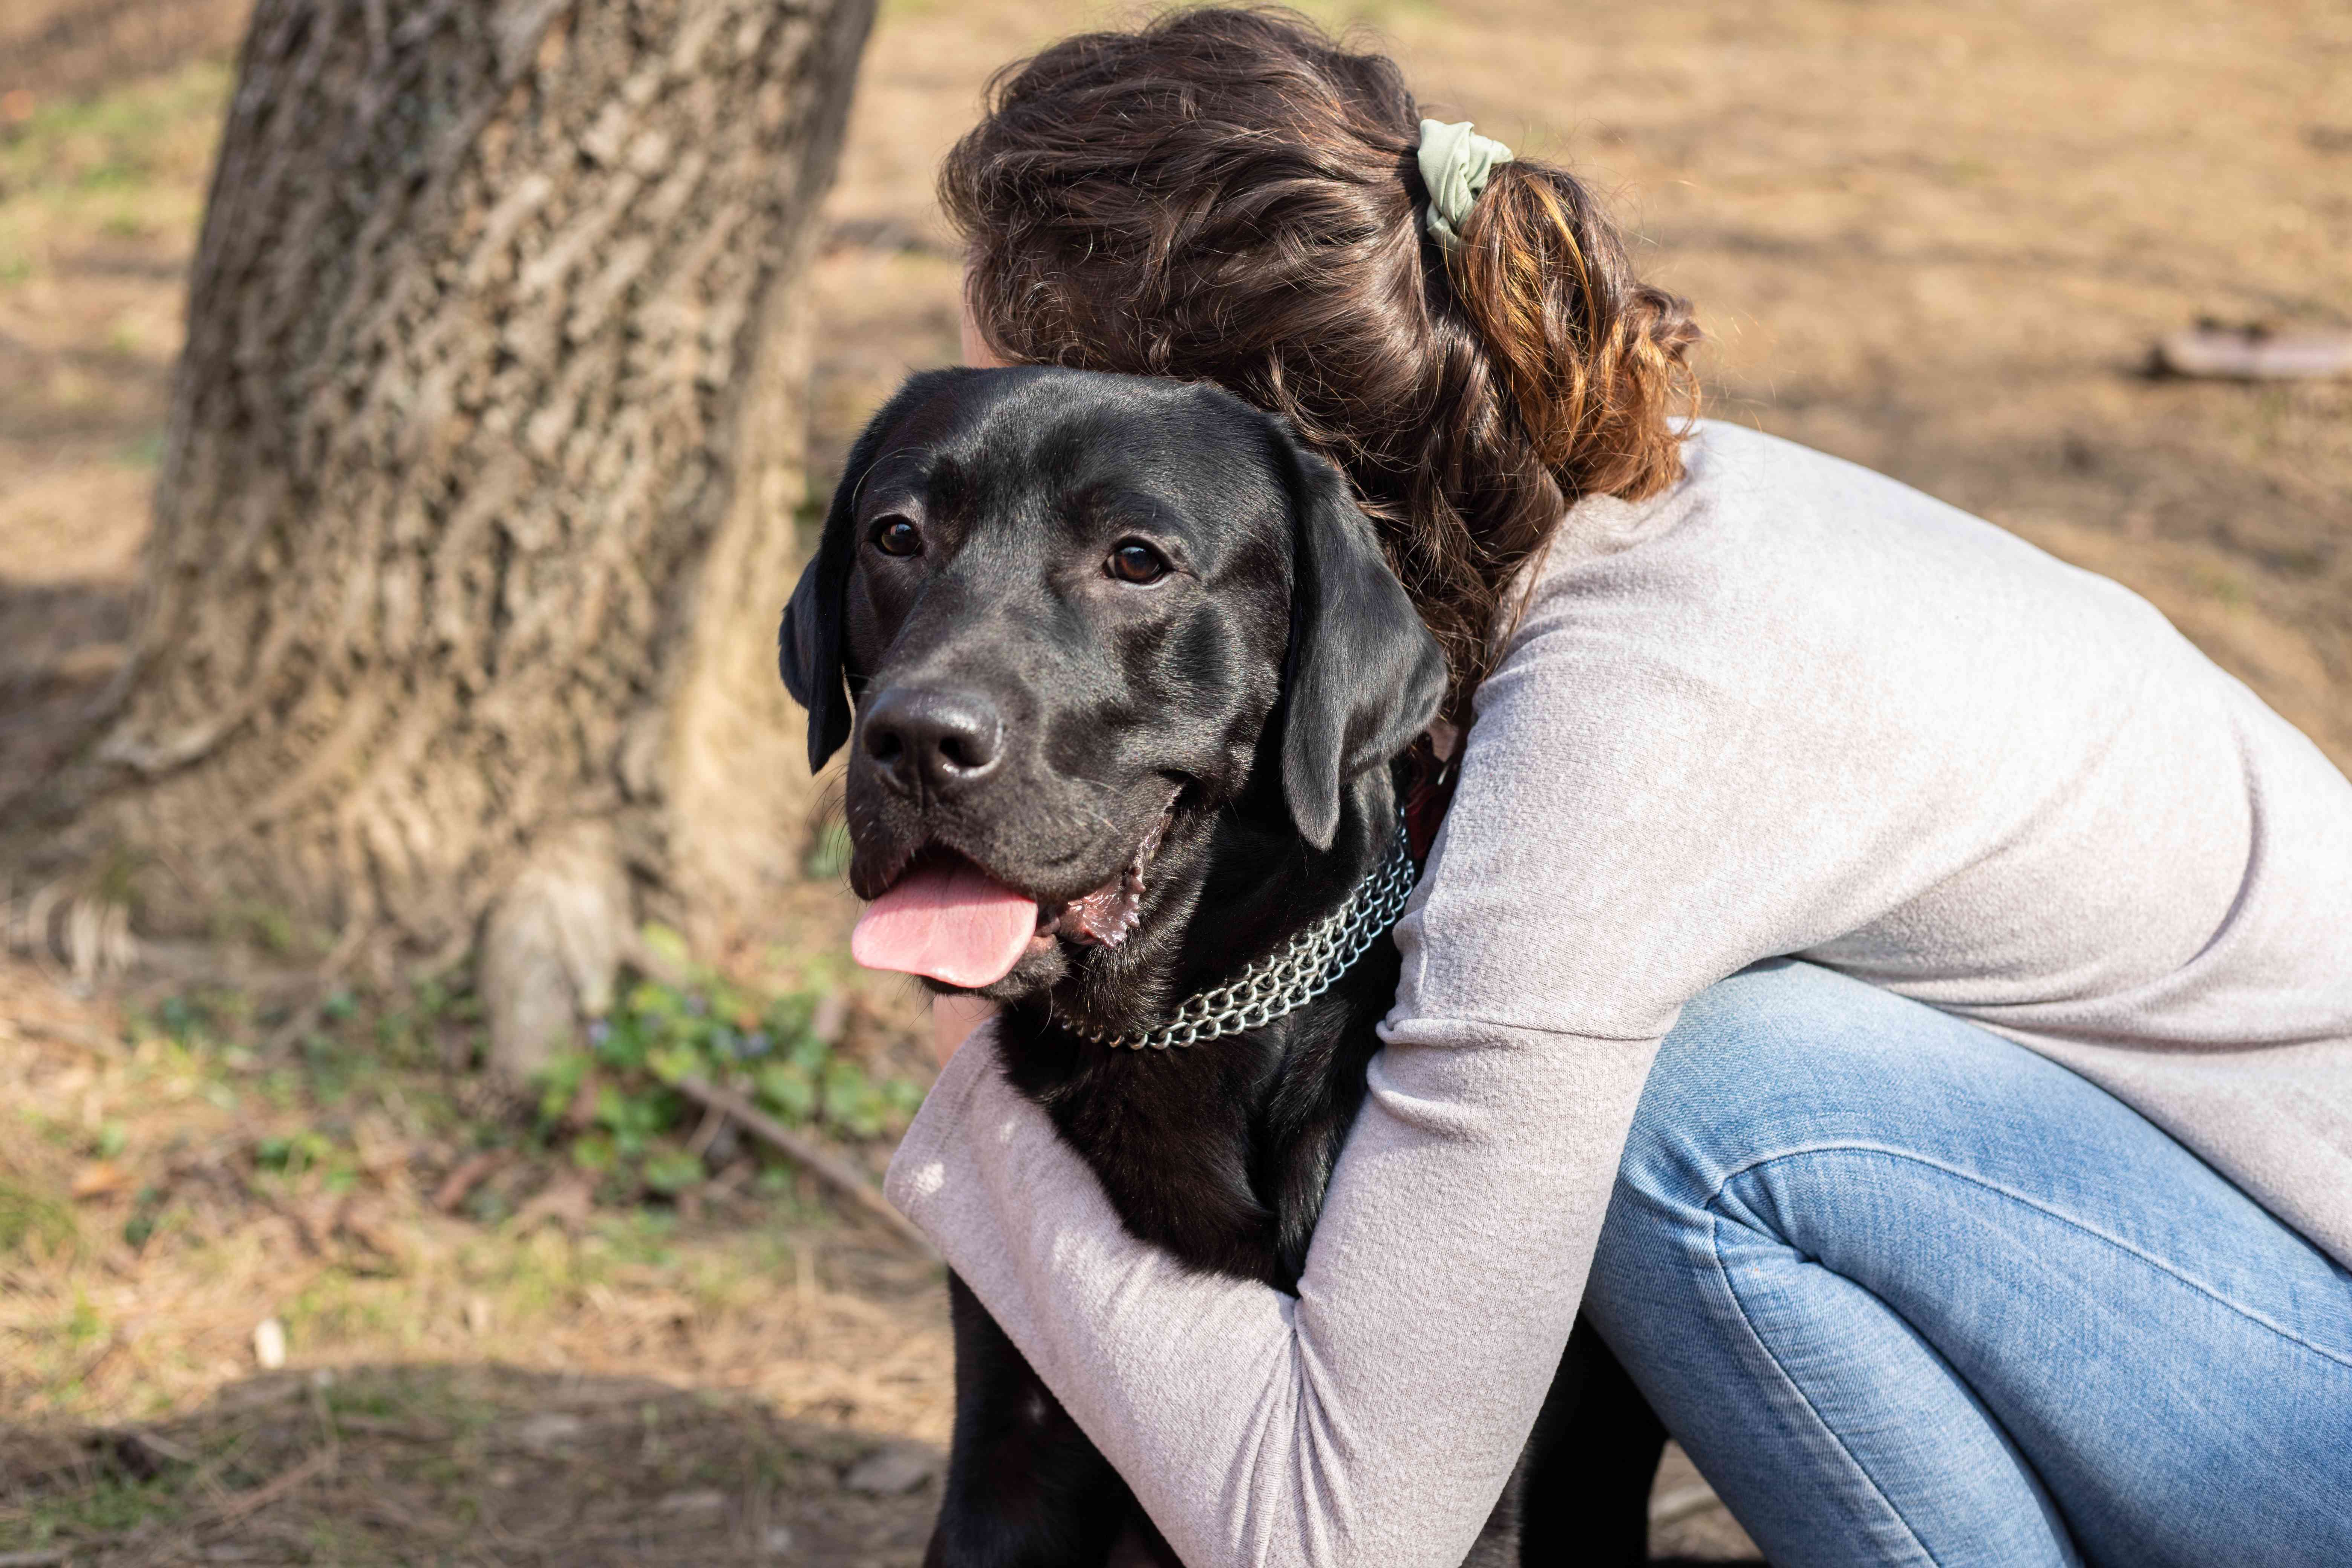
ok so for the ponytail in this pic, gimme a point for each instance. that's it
(1595, 360)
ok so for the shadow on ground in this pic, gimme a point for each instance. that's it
(464, 1463)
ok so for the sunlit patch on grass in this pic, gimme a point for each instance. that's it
(123, 169)
(118, 139)
(29, 1216)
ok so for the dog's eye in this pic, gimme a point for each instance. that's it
(1135, 562)
(897, 536)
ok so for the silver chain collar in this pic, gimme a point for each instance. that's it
(1287, 979)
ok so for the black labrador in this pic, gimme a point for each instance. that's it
(1125, 650)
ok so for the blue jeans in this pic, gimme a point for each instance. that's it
(1909, 1293)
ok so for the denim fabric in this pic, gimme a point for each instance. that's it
(1909, 1293)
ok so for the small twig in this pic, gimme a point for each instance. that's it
(2255, 352)
(155, 1443)
(381, 1426)
(114, 1341)
(647, 959)
(40, 947)
(813, 1156)
(237, 1505)
(469, 1174)
(453, 953)
(323, 980)
(326, 1419)
(70, 1035)
(832, 1016)
(707, 1133)
(314, 1231)
(1682, 1503)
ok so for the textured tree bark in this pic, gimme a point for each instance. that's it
(477, 507)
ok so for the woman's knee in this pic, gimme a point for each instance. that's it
(1786, 1057)
(1779, 1054)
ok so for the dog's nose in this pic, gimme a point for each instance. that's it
(932, 743)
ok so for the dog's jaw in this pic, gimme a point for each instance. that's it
(1106, 917)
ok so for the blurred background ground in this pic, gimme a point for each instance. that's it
(1937, 238)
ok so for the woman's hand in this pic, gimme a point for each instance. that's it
(952, 1018)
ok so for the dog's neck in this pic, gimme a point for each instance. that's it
(1220, 1152)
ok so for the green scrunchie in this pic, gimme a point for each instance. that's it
(1454, 162)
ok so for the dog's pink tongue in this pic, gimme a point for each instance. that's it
(948, 921)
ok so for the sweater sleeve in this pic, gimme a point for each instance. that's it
(1374, 1418)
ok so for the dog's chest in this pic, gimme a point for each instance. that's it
(1220, 1154)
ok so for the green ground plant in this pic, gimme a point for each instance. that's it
(614, 1100)
(609, 1107)
(28, 1215)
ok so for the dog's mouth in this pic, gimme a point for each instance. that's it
(944, 918)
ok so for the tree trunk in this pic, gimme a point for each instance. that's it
(478, 510)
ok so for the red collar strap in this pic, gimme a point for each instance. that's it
(1429, 790)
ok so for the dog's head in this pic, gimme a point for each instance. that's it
(1078, 616)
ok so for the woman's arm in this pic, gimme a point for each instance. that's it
(1374, 1419)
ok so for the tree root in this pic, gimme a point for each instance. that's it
(552, 947)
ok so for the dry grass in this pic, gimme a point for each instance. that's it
(98, 204)
(1935, 238)
(174, 1194)
(65, 49)
(468, 1464)
(152, 1217)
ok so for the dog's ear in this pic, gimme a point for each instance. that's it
(1365, 675)
(808, 644)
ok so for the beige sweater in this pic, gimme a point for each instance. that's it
(1791, 707)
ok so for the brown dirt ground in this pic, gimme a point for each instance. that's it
(1936, 238)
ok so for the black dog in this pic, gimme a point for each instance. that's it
(1126, 649)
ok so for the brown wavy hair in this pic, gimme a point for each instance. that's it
(1229, 196)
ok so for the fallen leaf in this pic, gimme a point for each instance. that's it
(889, 1471)
(99, 1178)
(567, 1201)
(369, 1222)
(466, 1177)
(550, 1429)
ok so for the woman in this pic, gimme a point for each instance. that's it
(1893, 981)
